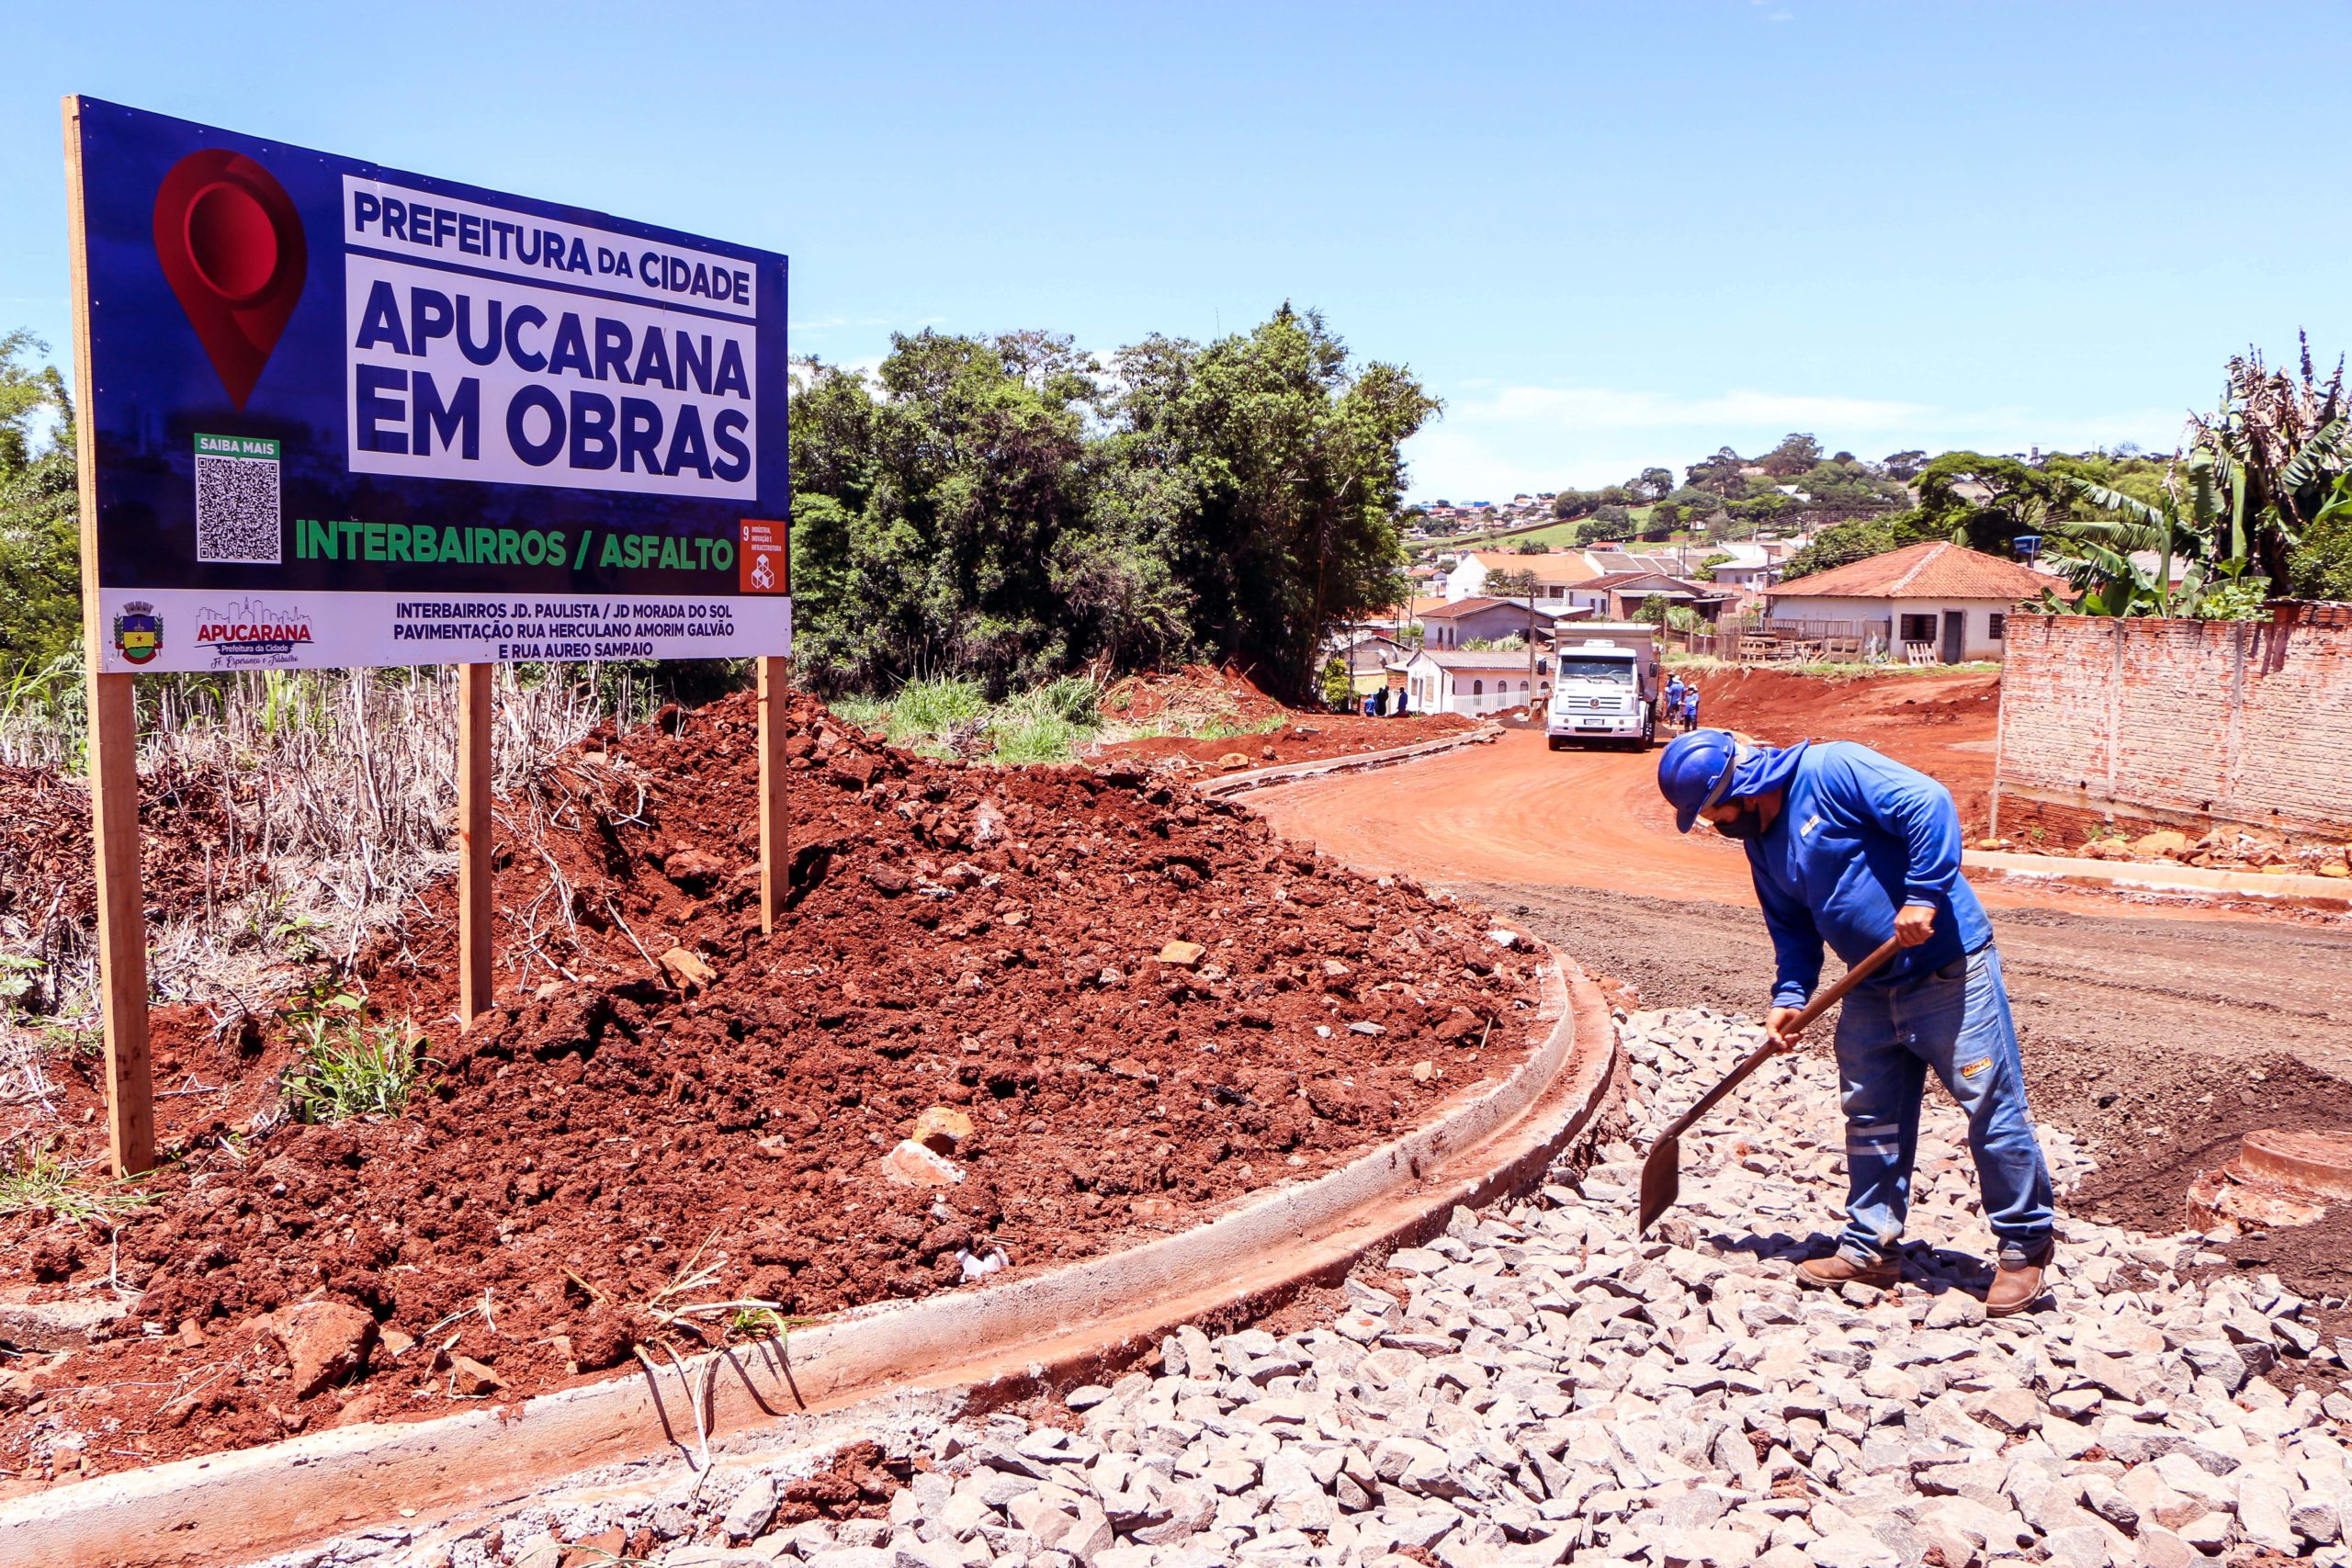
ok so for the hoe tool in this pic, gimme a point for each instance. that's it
(1662, 1170)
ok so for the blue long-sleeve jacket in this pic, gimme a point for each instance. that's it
(1859, 836)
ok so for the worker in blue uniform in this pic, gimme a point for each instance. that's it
(1847, 847)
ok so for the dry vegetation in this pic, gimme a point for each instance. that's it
(289, 818)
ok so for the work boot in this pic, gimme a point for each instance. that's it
(1839, 1269)
(2016, 1282)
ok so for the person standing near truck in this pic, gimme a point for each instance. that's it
(1689, 707)
(1674, 697)
(1846, 847)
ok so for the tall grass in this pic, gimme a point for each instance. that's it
(349, 1068)
(948, 717)
(339, 786)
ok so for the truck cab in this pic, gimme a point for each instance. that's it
(1604, 687)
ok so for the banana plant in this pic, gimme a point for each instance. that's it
(2096, 553)
(2279, 441)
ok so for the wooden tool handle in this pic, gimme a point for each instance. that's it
(1820, 1004)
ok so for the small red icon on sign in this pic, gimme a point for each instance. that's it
(764, 564)
(232, 248)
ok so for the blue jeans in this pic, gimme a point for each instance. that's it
(1956, 1020)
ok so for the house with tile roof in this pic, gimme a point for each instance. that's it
(1936, 600)
(1619, 596)
(1452, 680)
(1486, 619)
(1554, 571)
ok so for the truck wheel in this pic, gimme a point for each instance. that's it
(1649, 732)
(1554, 742)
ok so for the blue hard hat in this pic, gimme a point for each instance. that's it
(1695, 770)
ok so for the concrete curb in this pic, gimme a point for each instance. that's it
(2329, 891)
(425, 1476)
(1291, 773)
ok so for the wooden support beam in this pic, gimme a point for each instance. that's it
(775, 817)
(122, 921)
(114, 755)
(474, 875)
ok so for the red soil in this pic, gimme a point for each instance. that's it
(1310, 738)
(1944, 726)
(968, 937)
(1198, 691)
(1195, 688)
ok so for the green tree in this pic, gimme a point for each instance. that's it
(1718, 475)
(2098, 553)
(1795, 454)
(1654, 484)
(40, 545)
(1339, 691)
(1904, 466)
(960, 482)
(1845, 543)
(2279, 442)
(1291, 456)
(1985, 502)
(2320, 567)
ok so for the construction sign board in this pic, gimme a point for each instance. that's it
(341, 415)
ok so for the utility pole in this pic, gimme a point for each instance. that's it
(1531, 644)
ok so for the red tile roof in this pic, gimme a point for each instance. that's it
(1550, 566)
(1620, 579)
(1481, 659)
(1933, 570)
(1472, 605)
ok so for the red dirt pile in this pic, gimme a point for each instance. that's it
(1258, 731)
(48, 884)
(1310, 738)
(1942, 725)
(1143, 1006)
(1193, 689)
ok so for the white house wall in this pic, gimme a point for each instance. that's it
(1977, 641)
(1434, 689)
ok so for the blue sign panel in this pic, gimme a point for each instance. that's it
(339, 415)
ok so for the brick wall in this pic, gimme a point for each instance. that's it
(2175, 723)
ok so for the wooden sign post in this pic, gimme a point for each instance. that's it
(261, 489)
(114, 771)
(775, 822)
(475, 877)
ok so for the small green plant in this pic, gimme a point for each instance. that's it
(20, 980)
(298, 934)
(351, 1068)
(265, 915)
(758, 1322)
(317, 997)
(78, 1042)
(33, 1176)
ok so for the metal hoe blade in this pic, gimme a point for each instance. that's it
(1662, 1168)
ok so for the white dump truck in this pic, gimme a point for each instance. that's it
(1604, 683)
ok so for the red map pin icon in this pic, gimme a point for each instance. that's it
(231, 247)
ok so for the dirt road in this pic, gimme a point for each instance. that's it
(1518, 812)
(2157, 1032)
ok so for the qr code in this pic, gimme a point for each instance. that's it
(236, 510)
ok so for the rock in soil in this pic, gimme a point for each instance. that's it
(1535, 1386)
(968, 938)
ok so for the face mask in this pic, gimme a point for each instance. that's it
(1748, 824)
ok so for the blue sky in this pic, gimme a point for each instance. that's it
(1607, 235)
